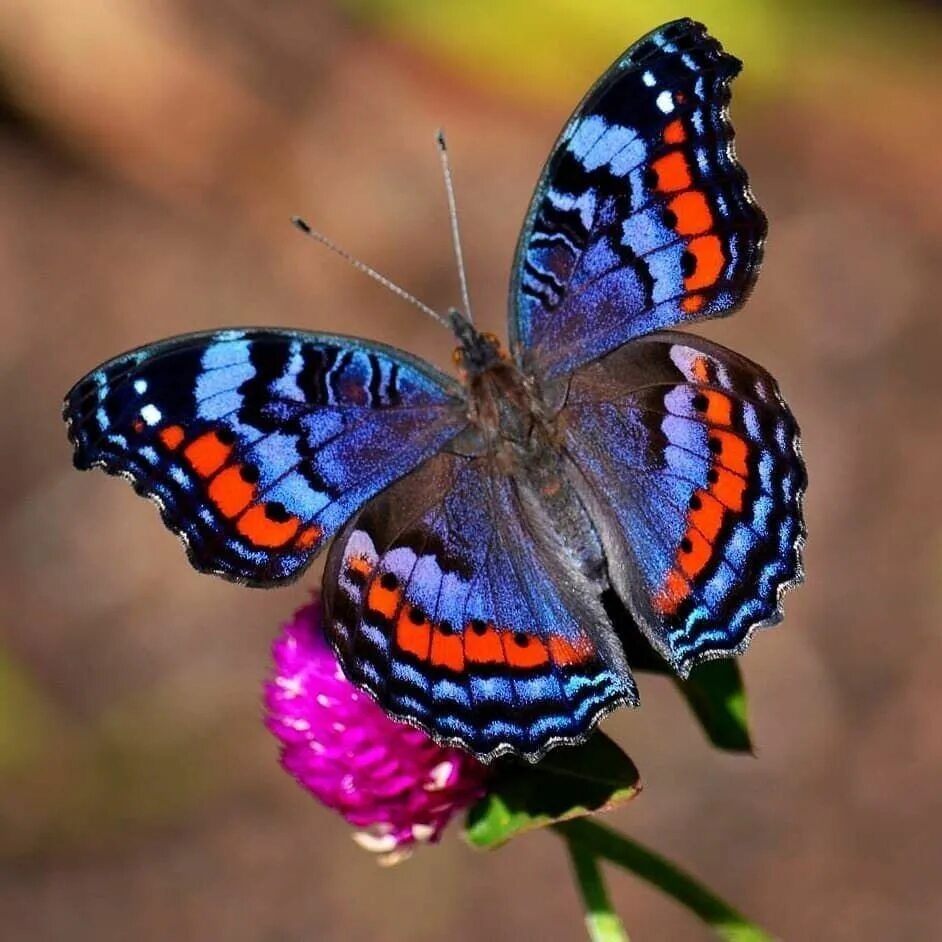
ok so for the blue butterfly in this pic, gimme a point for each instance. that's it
(478, 524)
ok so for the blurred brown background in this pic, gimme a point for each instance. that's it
(151, 152)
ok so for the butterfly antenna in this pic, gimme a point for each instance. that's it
(303, 227)
(453, 215)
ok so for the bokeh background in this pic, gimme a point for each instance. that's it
(151, 152)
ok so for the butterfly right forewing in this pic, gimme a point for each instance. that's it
(643, 217)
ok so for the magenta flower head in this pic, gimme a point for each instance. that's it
(386, 778)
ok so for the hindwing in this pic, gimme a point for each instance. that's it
(445, 603)
(691, 461)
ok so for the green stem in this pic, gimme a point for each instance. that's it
(597, 841)
(600, 918)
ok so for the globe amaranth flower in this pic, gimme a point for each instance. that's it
(386, 778)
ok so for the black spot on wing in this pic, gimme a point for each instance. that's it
(393, 397)
(318, 361)
(376, 374)
(270, 362)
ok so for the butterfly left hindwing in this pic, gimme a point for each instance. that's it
(258, 444)
(446, 604)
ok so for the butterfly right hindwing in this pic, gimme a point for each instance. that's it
(691, 460)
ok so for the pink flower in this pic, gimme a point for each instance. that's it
(386, 778)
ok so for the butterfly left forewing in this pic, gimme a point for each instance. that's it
(690, 459)
(444, 603)
(258, 444)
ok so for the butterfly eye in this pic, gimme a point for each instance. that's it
(457, 356)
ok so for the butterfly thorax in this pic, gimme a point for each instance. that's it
(503, 402)
(505, 409)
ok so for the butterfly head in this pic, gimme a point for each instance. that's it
(478, 351)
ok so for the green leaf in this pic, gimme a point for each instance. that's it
(568, 783)
(596, 840)
(717, 696)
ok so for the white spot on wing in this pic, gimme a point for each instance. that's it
(151, 414)
(665, 101)
(360, 544)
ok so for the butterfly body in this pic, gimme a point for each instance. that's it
(477, 525)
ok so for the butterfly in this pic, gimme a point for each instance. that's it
(477, 523)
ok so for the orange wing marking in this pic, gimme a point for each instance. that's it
(566, 653)
(726, 484)
(447, 649)
(383, 600)
(672, 172)
(695, 552)
(674, 133)
(261, 530)
(727, 488)
(524, 650)
(688, 214)
(230, 493)
(310, 536)
(700, 369)
(482, 644)
(675, 590)
(413, 632)
(706, 514)
(732, 450)
(692, 212)
(706, 255)
(719, 408)
(171, 437)
(207, 454)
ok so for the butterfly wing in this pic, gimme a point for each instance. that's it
(258, 444)
(690, 461)
(445, 602)
(642, 218)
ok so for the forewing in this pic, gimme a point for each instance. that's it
(643, 217)
(450, 607)
(258, 444)
(690, 462)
